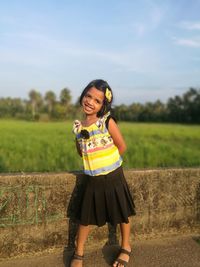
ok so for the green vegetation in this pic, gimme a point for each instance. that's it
(180, 109)
(39, 146)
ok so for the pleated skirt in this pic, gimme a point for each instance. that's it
(105, 199)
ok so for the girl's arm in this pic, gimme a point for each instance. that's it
(116, 136)
(78, 148)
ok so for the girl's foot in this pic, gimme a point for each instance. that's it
(123, 258)
(77, 260)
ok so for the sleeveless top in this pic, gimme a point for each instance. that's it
(99, 153)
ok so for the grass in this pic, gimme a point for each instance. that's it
(162, 145)
(41, 146)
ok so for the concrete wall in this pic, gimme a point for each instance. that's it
(34, 208)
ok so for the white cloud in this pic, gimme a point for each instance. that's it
(188, 25)
(194, 43)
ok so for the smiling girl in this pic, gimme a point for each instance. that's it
(107, 198)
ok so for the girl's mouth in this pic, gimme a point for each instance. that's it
(88, 107)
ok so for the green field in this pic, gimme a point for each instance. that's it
(40, 146)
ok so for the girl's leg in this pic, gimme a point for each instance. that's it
(125, 243)
(125, 235)
(82, 235)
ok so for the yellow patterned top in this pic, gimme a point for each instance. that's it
(100, 154)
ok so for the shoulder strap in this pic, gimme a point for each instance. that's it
(108, 119)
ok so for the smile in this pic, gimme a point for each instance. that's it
(88, 106)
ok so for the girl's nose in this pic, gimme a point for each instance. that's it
(90, 101)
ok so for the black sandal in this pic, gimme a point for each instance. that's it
(77, 257)
(120, 261)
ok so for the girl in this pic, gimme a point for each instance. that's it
(100, 144)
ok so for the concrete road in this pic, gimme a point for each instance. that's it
(178, 251)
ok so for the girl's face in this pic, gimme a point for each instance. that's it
(92, 101)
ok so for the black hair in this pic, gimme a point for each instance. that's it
(100, 85)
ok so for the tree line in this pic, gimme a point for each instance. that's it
(182, 109)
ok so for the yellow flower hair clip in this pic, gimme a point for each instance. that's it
(108, 95)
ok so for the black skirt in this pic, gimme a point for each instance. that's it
(105, 199)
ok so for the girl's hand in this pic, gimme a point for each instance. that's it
(78, 148)
(116, 136)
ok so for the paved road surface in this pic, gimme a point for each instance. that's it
(181, 251)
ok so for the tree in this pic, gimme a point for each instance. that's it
(159, 111)
(120, 112)
(185, 108)
(11, 107)
(175, 109)
(191, 103)
(50, 99)
(36, 101)
(65, 99)
(135, 109)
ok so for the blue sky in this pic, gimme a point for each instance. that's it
(145, 49)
